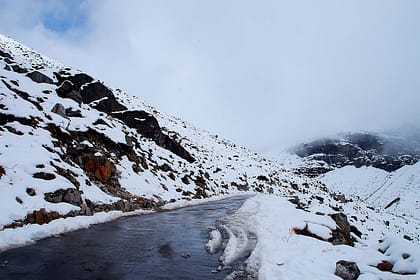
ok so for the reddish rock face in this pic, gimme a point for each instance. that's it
(101, 168)
(41, 216)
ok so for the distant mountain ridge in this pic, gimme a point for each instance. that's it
(386, 152)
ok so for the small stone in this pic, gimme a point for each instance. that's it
(30, 191)
(20, 201)
(385, 266)
(347, 270)
(407, 237)
(405, 256)
(186, 255)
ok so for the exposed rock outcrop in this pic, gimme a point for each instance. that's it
(358, 149)
(82, 89)
(38, 77)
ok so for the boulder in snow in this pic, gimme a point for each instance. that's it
(347, 270)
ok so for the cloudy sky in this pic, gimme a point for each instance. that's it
(262, 73)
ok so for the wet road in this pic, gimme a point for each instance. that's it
(152, 246)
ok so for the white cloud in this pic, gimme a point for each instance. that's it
(262, 73)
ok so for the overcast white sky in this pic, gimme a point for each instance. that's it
(262, 73)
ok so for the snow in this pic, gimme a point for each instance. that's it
(282, 254)
(379, 188)
(215, 241)
(279, 253)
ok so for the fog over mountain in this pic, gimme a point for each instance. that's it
(262, 73)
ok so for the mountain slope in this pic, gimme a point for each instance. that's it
(397, 192)
(73, 146)
(75, 151)
(384, 151)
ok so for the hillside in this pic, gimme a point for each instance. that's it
(388, 152)
(397, 192)
(75, 151)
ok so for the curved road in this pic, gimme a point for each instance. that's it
(155, 246)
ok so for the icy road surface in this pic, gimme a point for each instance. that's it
(166, 245)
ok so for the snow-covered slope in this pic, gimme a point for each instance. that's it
(75, 151)
(397, 192)
(72, 146)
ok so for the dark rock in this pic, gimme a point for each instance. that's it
(59, 110)
(185, 180)
(9, 61)
(101, 122)
(44, 176)
(392, 202)
(172, 176)
(40, 166)
(14, 82)
(356, 231)
(38, 77)
(143, 122)
(73, 113)
(339, 197)
(95, 91)
(341, 221)
(347, 270)
(30, 191)
(385, 266)
(129, 141)
(78, 80)
(200, 181)
(54, 197)
(109, 105)
(5, 55)
(13, 130)
(407, 237)
(405, 256)
(6, 118)
(68, 90)
(2, 171)
(18, 200)
(19, 69)
(262, 178)
(341, 235)
(165, 167)
(72, 196)
(148, 126)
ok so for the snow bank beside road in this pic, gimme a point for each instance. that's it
(282, 254)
